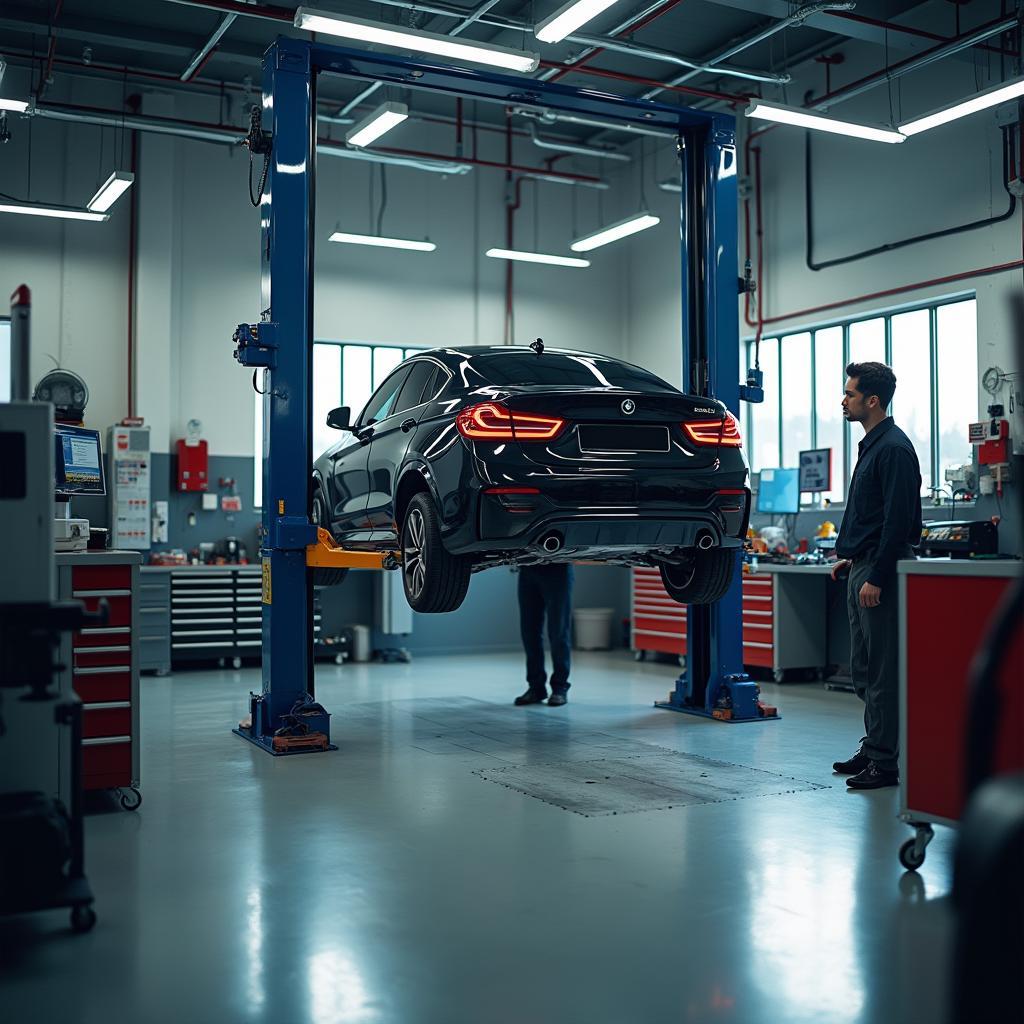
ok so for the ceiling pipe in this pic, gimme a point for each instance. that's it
(549, 117)
(578, 149)
(798, 17)
(229, 135)
(915, 63)
(665, 56)
(201, 55)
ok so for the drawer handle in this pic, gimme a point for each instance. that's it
(101, 593)
(102, 670)
(102, 741)
(104, 630)
(102, 650)
(107, 705)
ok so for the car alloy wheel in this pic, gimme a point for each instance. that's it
(414, 555)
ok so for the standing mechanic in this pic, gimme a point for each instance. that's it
(881, 523)
(546, 589)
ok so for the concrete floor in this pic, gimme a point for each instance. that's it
(389, 883)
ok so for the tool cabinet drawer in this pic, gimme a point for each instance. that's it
(107, 762)
(96, 685)
(102, 636)
(110, 719)
(101, 577)
(118, 601)
(102, 657)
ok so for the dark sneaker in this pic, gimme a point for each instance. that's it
(856, 764)
(556, 700)
(531, 697)
(873, 777)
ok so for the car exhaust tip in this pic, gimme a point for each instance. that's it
(705, 540)
(552, 543)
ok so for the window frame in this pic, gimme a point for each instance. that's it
(845, 323)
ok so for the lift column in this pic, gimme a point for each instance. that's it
(282, 344)
(714, 684)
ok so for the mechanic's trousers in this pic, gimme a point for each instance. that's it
(874, 665)
(546, 589)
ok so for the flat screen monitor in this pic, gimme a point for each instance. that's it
(779, 491)
(78, 462)
(816, 470)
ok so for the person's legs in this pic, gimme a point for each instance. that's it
(558, 599)
(858, 641)
(531, 628)
(881, 630)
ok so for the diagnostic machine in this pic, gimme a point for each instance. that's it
(78, 470)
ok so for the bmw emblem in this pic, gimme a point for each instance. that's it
(629, 407)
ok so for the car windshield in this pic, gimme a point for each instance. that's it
(562, 368)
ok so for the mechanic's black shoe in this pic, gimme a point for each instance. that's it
(873, 777)
(556, 700)
(531, 697)
(856, 764)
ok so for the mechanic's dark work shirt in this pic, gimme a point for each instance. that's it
(883, 508)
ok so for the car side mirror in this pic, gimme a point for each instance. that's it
(340, 418)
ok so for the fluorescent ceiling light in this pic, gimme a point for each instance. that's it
(982, 101)
(410, 39)
(383, 242)
(116, 185)
(569, 18)
(536, 257)
(821, 122)
(372, 127)
(670, 185)
(67, 213)
(612, 233)
(566, 19)
(18, 106)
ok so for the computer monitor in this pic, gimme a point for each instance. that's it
(78, 462)
(778, 491)
(816, 470)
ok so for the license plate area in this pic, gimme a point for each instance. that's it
(601, 438)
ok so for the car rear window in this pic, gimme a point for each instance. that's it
(559, 368)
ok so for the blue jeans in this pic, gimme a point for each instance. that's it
(546, 589)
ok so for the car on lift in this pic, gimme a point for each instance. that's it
(471, 457)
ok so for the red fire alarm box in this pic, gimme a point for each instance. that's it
(193, 466)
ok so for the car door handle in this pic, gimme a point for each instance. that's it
(408, 424)
(364, 435)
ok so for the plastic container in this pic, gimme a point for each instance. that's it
(593, 628)
(359, 645)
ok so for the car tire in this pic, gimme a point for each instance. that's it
(318, 517)
(435, 581)
(704, 577)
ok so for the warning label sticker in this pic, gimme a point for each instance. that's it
(266, 581)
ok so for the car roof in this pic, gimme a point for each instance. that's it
(480, 350)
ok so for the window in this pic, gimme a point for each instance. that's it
(384, 398)
(933, 351)
(521, 366)
(344, 373)
(420, 375)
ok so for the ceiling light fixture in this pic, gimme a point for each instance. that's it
(808, 119)
(64, 212)
(382, 241)
(612, 233)
(982, 101)
(372, 127)
(536, 257)
(569, 18)
(17, 106)
(312, 20)
(115, 186)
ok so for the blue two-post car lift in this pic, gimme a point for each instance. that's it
(281, 343)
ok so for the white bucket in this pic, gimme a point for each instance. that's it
(359, 649)
(593, 628)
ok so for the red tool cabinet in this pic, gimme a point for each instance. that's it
(945, 608)
(101, 666)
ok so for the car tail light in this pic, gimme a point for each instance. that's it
(493, 421)
(512, 490)
(724, 431)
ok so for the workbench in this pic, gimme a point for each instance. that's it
(783, 613)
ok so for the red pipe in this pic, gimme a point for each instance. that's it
(53, 44)
(568, 69)
(253, 10)
(908, 30)
(510, 211)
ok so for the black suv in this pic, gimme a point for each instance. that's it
(466, 458)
